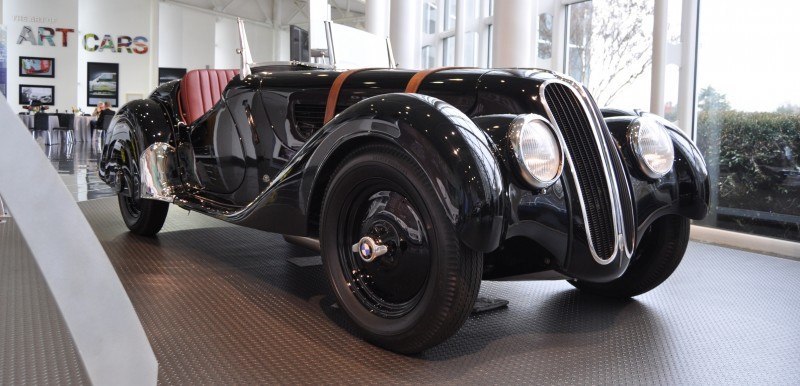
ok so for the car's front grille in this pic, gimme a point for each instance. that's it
(573, 122)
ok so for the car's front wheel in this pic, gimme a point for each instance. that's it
(142, 217)
(393, 259)
(655, 259)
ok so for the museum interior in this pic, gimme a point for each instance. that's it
(399, 192)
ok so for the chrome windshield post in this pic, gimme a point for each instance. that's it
(244, 50)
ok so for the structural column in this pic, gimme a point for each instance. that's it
(377, 17)
(461, 21)
(659, 57)
(686, 81)
(511, 43)
(405, 32)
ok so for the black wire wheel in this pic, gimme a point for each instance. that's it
(656, 257)
(392, 257)
(142, 217)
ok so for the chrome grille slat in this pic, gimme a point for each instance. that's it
(572, 120)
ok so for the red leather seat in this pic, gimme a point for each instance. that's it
(200, 90)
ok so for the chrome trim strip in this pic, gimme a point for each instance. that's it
(243, 50)
(155, 165)
(619, 232)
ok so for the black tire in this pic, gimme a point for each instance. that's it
(420, 292)
(143, 217)
(655, 259)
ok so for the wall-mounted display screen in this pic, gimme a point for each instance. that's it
(102, 83)
(37, 67)
(166, 74)
(36, 95)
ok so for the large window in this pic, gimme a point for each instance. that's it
(609, 48)
(429, 17)
(449, 51)
(748, 115)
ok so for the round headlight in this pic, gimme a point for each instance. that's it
(537, 149)
(652, 146)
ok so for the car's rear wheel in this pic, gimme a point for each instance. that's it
(142, 217)
(392, 257)
(655, 259)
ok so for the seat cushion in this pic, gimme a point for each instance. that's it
(200, 90)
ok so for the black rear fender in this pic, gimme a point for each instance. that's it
(456, 156)
(135, 127)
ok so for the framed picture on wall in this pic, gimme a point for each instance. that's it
(37, 67)
(102, 82)
(31, 93)
(166, 74)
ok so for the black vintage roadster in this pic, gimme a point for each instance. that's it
(417, 184)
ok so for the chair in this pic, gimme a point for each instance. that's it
(102, 124)
(66, 123)
(41, 122)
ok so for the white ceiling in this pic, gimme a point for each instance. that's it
(292, 11)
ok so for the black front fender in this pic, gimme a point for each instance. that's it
(453, 152)
(683, 191)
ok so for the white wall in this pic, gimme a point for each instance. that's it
(194, 39)
(128, 18)
(55, 14)
(185, 35)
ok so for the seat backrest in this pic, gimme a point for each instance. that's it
(41, 121)
(201, 90)
(105, 119)
(65, 120)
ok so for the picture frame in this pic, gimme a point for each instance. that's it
(30, 93)
(37, 67)
(167, 74)
(102, 83)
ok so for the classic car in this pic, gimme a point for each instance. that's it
(417, 184)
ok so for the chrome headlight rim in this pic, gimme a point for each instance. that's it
(515, 133)
(633, 136)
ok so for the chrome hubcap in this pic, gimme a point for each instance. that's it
(368, 249)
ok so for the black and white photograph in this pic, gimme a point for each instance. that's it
(102, 80)
(35, 94)
(167, 74)
(37, 67)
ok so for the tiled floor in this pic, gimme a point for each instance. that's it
(223, 304)
(76, 163)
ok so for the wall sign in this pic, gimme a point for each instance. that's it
(44, 36)
(59, 37)
(137, 45)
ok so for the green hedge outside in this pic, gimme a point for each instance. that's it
(751, 151)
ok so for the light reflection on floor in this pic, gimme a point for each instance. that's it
(76, 163)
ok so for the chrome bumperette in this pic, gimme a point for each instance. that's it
(608, 170)
(157, 169)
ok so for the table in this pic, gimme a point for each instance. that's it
(83, 129)
(82, 126)
(52, 122)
